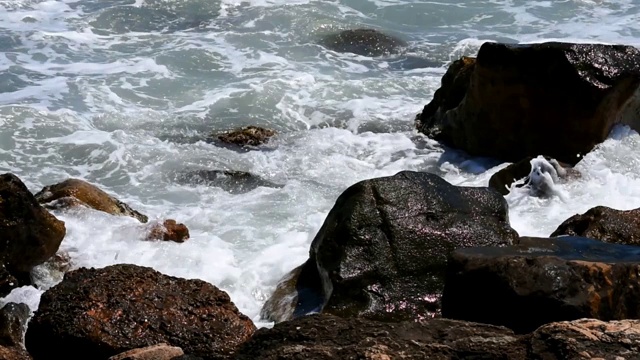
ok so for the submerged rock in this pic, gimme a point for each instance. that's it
(382, 250)
(540, 281)
(533, 98)
(30, 234)
(366, 42)
(235, 182)
(250, 136)
(76, 192)
(98, 313)
(169, 230)
(539, 173)
(605, 224)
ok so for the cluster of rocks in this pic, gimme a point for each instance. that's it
(404, 266)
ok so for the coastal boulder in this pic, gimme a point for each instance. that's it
(365, 42)
(246, 137)
(528, 169)
(382, 250)
(30, 234)
(76, 192)
(234, 182)
(605, 224)
(169, 230)
(326, 337)
(98, 313)
(520, 100)
(540, 281)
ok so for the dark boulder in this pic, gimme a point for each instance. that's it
(98, 313)
(235, 182)
(328, 337)
(382, 250)
(540, 281)
(516, 101)
(365, 42)
(168, 230)
(30, 234)
(13, 322)
(76, 192)
(246, 137)
(605, 224)
(529, 169)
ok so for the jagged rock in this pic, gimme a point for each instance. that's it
(154, 352)
(605, 224)
(587, 339)
(328, 337)
(533, 98)
(235, 182)
(98, 313)
(366, 42)
(169, 230)
(524, 168)
(250, 136)
(382, 250)
(30, 234)
(76, 192)
(540, 281)
(13, 353)
(13, 321)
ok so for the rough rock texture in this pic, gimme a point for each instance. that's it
(605, 224)
(235, 182)
(169, 230)
(327, 337)
(8, 282)
(98, 313)
(154, 352)
(13, 353)
(13, 320)
(587, 339)
(366, 42)
(29, 234)
(533, 98)
(76, 192)
(248, 136)
(522, 169)
(382, 250)
(543, 280)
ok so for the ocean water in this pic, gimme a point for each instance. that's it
(122, 93)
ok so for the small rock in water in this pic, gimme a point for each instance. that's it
(169, 230)
(155, 352)
(235, 182)
(247, 137)
(365, 42)
(76, 192)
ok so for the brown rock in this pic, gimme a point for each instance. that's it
(247, 136)
(605, 224)
(540, 281)
(587, 339)
(75, 192)
(169, 230)
(529, 99)
(98, 313)
(30, 234)
(13, 353)
(503, 179)
(154, 352)
(329, 337)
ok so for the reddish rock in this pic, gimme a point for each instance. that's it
(76, 192)
(98, 313)
(247, 136)
(30, 234)
(519, 100)
(169, 230)
(155, 352)
(605, 224)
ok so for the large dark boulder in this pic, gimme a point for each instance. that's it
(30, 234)
(76, 192)
(382, 250)
(540, 281)
(514, 101)
(365, 42)
(605, 224)
(329, 337)
(98, 313)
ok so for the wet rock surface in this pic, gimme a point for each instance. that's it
(154, 352)
(13, 320)
(246, 137)
(168, 230)
(382, 250)
(76, 192)
(365, 42)
(99, 313)
(235, 182)
(502, 180)
(533, 97)
(605, 224)
(540, 281)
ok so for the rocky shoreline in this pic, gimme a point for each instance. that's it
(404, 267)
